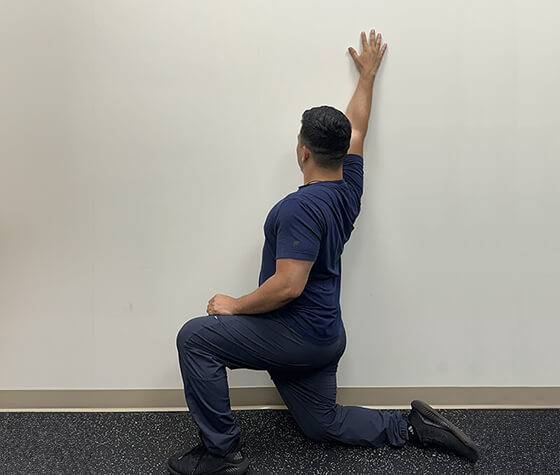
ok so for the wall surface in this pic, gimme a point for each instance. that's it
(142, 144)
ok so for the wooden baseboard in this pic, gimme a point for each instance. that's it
(265, 397)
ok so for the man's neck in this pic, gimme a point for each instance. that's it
(321, 175)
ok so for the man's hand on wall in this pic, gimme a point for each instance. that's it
(372, 53)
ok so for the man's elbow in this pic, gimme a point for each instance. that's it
(290, 288)
(289, 292)
(294, 291)
(294, 294)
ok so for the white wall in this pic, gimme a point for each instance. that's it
(143, 143)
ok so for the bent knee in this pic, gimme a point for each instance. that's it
(189, 329)
(317, 429)
(316, 433)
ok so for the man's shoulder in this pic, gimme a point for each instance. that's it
(289, 205)
(293, 202)
(297, 206)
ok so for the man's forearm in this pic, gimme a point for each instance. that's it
(359, 108)
(272, 294)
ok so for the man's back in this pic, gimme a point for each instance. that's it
(314, 223)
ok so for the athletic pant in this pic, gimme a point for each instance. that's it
(304, 374)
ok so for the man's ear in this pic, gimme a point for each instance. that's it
(306, 154)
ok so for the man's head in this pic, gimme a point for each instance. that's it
(325, 132)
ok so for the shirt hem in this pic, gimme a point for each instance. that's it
(297, 255)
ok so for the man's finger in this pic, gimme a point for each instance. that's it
(364, 41)
(353, 52)
(378, 42)
(372, 37)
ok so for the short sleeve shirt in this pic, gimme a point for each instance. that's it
(314, 223)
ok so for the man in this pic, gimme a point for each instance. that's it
(291, 325)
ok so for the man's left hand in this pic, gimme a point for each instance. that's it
(221, 305)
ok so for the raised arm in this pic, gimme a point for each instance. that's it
(359, 108)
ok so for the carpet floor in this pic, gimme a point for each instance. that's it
(511, 442)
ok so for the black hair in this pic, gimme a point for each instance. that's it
(326, 132)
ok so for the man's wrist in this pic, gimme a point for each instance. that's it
(368, 76)
(237, 306)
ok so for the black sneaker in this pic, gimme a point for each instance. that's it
(198, 461)
(432, 428)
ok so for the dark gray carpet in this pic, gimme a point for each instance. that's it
(512, 442)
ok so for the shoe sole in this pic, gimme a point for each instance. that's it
(231, 470)
(429, 413)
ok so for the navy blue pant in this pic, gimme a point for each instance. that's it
(304, 374)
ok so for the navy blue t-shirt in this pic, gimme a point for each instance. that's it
(313, 223)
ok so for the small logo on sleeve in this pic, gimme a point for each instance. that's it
(296, 243)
